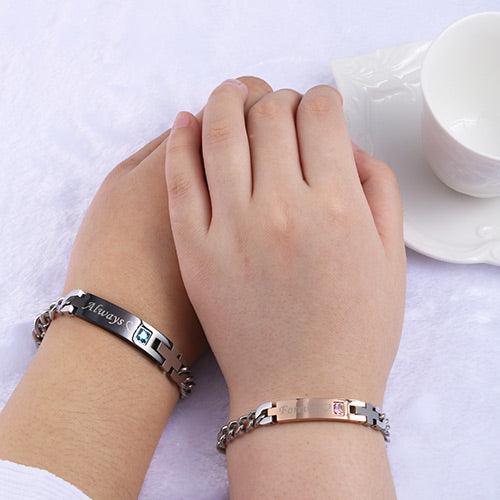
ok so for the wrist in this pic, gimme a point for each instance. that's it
(97, 353)
(330, 450)
(124, 325)
(292, 457)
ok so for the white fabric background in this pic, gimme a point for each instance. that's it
(83, 84)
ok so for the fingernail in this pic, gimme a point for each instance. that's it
(240, 85)
(183, 119)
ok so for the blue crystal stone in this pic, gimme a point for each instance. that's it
(143, 335)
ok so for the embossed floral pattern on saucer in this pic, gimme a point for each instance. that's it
(382, 101)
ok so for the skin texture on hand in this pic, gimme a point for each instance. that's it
(93, 405)
(91, 408)
(290, 247)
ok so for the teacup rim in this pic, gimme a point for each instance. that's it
(424, 79)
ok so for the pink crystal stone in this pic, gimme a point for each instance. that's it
(338, 408)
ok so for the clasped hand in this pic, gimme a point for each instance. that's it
(261, 224)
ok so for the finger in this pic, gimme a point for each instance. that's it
(257, 88)
(132, 161)
(188, 199)
(146, 150)
(382, 193)
(325, 146)
(226, 153)
(273, 141)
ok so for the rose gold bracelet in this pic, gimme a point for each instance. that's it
(300, 410)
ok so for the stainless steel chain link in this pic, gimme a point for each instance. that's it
(44, 319)
(122, 323)
(233, 428)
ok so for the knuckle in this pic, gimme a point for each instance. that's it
(274, 104)
(318, 103)
(112, 176)
(177, 146)
(178, 185)
(267, 107)
(224, 91)
(288, 96)
(280, 221)
(386, 173)
(322, 99)
(339, 214)
(174, 149)
(219, 131)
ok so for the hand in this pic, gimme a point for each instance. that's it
(290, 246)
(292, 250)
(94, 406)
(124, 251)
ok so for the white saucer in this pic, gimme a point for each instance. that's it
(382, 101)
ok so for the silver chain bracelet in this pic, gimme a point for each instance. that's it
(125, 325)
(302, 409)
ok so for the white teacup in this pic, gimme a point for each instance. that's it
(461, 105)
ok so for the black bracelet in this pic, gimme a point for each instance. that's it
(125, 325)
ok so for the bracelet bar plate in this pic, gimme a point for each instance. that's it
(314, 409)
(114, 319)
(305, 409)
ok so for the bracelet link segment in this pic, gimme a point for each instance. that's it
(175, 369)
(373, 417)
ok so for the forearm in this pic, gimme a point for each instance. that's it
(90, 409)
